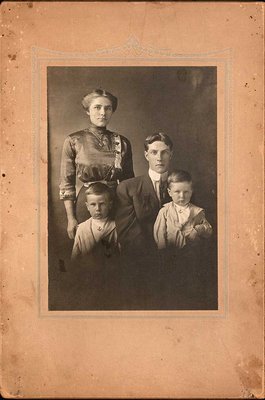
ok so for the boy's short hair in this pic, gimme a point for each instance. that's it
(98, 188)
(158, 137)
(179, 176)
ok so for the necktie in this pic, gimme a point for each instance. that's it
(160, 190)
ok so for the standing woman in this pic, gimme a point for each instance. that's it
(94, 154)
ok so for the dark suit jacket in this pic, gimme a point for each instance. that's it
(136, 211)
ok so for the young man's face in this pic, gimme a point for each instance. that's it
(99, 205)
(158, 155)
(180, 192)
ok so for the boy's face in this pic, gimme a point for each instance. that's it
(180, 192)
(99, 205)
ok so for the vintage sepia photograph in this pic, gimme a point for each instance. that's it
(132, 243)
(132, 188)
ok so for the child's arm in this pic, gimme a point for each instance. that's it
(203, 228)
(160, 229)
(200, 229)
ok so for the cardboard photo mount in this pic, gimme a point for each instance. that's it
(176, 354)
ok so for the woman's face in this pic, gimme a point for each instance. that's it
(100, 111)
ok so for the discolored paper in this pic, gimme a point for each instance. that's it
(209, 57)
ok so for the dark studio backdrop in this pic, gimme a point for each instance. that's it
(180, 101)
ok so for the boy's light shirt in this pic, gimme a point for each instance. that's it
(99, 223)
(183, 212)
(99, 227)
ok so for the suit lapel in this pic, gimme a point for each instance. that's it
(148, 189)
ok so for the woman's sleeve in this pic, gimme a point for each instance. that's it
(160, 229)
(68, 172)
(127, 169)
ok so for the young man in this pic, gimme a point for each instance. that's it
(138, 203)
(140, 199)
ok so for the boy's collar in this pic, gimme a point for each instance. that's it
(182, 208)
(100, 221)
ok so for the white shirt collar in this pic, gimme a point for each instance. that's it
(181, 208)
(155, 176)
(99, 222)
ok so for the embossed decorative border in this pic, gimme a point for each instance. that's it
(132, 51)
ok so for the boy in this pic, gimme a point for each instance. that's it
(96, 252)
(178, 230)
(180, 223)
(98, 233)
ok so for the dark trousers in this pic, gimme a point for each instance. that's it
(140, 272)
(183, 275)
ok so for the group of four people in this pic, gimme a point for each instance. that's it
(145, 226)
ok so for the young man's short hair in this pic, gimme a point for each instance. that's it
(158, 137)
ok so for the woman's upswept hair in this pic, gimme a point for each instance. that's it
(158, 137)
(87, 100)
(179, 175)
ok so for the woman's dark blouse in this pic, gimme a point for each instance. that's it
(94, 154)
